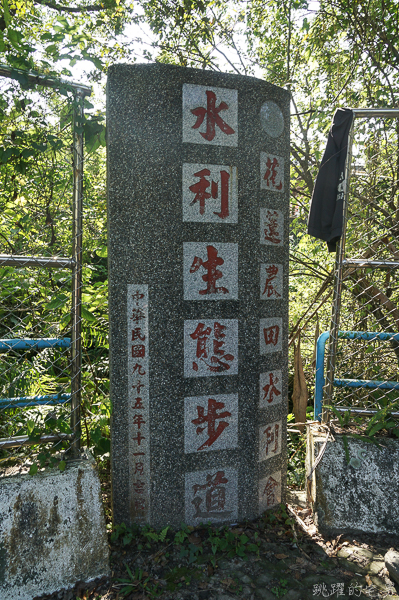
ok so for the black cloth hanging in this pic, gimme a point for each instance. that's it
(326, 207)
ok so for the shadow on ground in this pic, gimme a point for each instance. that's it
(280, 555)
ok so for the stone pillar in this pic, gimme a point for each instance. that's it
(198, 188)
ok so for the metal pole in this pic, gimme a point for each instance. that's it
(44, 80)
(51, 262)
(76, 338)
(333, 339)
(365, 113)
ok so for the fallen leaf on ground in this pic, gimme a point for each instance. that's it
(203, 585)
(195, 539)
(368, 579)
(228, 582)
(282, 556)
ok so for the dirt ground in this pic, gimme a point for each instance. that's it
(280, 555)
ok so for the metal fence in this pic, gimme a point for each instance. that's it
(366, 286)
(41, 167)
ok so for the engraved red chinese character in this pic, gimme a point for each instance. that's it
(210, 419)
(270, 389)
(202, 335)
(138, 386)
(271, 335)
(201, 193)
(271, 230)
(138, 403)
(137, 296)
(139, 468)
(215, 496)
(140, 504)
(272, 434)
(212, 117)
(270, 491)
(138, 420)
(212, 274)
(271, 174)
(137, 315)
(139, 438)
(137, 334)
(271, 274)
(139, 487)
(138, 351)
(139, 369)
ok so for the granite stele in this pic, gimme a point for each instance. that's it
(198, 182)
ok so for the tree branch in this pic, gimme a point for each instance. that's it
(71, 9)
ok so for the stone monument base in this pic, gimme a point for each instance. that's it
(52, 531)
(361, 496)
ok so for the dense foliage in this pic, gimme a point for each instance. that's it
(328, 54)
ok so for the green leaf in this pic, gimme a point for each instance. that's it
(62, 465)
(57, 302)
(86, 314)
(33, 469)
(15, 38)
(102, 252)
(376, 428)
(6, 13)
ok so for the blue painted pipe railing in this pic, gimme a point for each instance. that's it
(34, 344)
(24, 401)
(38, 344)
(350, 383)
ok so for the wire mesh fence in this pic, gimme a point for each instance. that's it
(41, 162)
(367, 274)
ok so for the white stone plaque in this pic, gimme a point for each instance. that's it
(210, 271)
(210, 347)
(270, 388)
(269, 491)
(271, 227)
(271, 335)
(270, 440)
(211, 496)
(210, 422)
(138, 401)
(210, 115)
(210, 193)
(271, 172)
(271, 281)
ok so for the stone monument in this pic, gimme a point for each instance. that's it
(198, 185)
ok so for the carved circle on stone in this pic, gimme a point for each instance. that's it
(271, 119)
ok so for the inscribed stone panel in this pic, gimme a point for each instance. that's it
(210, 422)
(270, 491)
(270, 440)
(210, 115)
(210, 193)
(210, 347)
(271, 227)
(271, 172)
(139, 400)
(270, 388)
(210, 271)
(211, 496)
(271, 281)
(271, 335)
